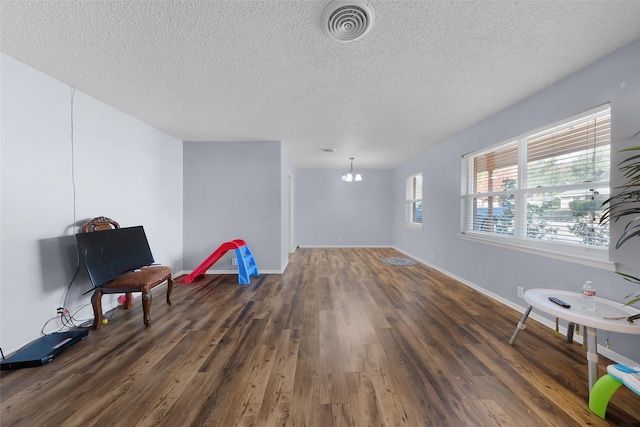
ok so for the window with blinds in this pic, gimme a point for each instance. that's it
(414, 200)
(546, 186)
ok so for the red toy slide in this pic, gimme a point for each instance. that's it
(215, 256)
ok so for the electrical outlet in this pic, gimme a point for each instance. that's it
(234, 261)
(520, 291)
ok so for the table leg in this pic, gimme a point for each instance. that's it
(570, 327)
(592, 355)
(520, 325)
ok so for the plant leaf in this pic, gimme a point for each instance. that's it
(627, 201)
(633, 301)
(635, 231)
(631, 148)
(630, 224)
(632, 279)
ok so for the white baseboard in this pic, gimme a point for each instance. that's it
(618, 358)
(344, 246)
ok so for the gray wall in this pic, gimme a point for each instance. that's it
(233, 190)
(124, 169)
(330, 212)
(615, 79)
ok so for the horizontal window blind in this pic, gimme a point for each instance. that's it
(571, 155)
(416, 187)
(546, 186)
(414, 199)
(492, 169)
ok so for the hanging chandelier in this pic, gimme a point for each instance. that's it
(350, 176)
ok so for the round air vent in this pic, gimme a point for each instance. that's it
(347, 20)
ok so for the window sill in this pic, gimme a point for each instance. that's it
(596, 258)
(413, 226)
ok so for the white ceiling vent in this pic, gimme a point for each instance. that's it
(347, 20)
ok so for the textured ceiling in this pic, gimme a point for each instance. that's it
(264, 70)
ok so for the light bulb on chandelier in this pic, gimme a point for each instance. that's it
(350, 176)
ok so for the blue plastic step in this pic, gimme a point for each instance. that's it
(246, 265)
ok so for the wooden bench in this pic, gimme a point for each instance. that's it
(142, 279)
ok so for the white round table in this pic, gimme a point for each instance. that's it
(608, 316)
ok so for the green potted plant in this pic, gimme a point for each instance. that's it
(626, 204)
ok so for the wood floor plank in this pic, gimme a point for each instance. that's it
(488, 412)
(275, 406)
(339, 339)
(331, 373)
(362, 400)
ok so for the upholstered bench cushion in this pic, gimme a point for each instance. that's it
(139, 280)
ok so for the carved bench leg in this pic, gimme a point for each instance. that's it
(146, 306)
(96, 302)
(128, 300)
(169, 288)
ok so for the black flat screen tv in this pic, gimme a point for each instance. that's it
(110, 253)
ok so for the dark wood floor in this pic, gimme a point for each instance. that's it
(341, 339)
